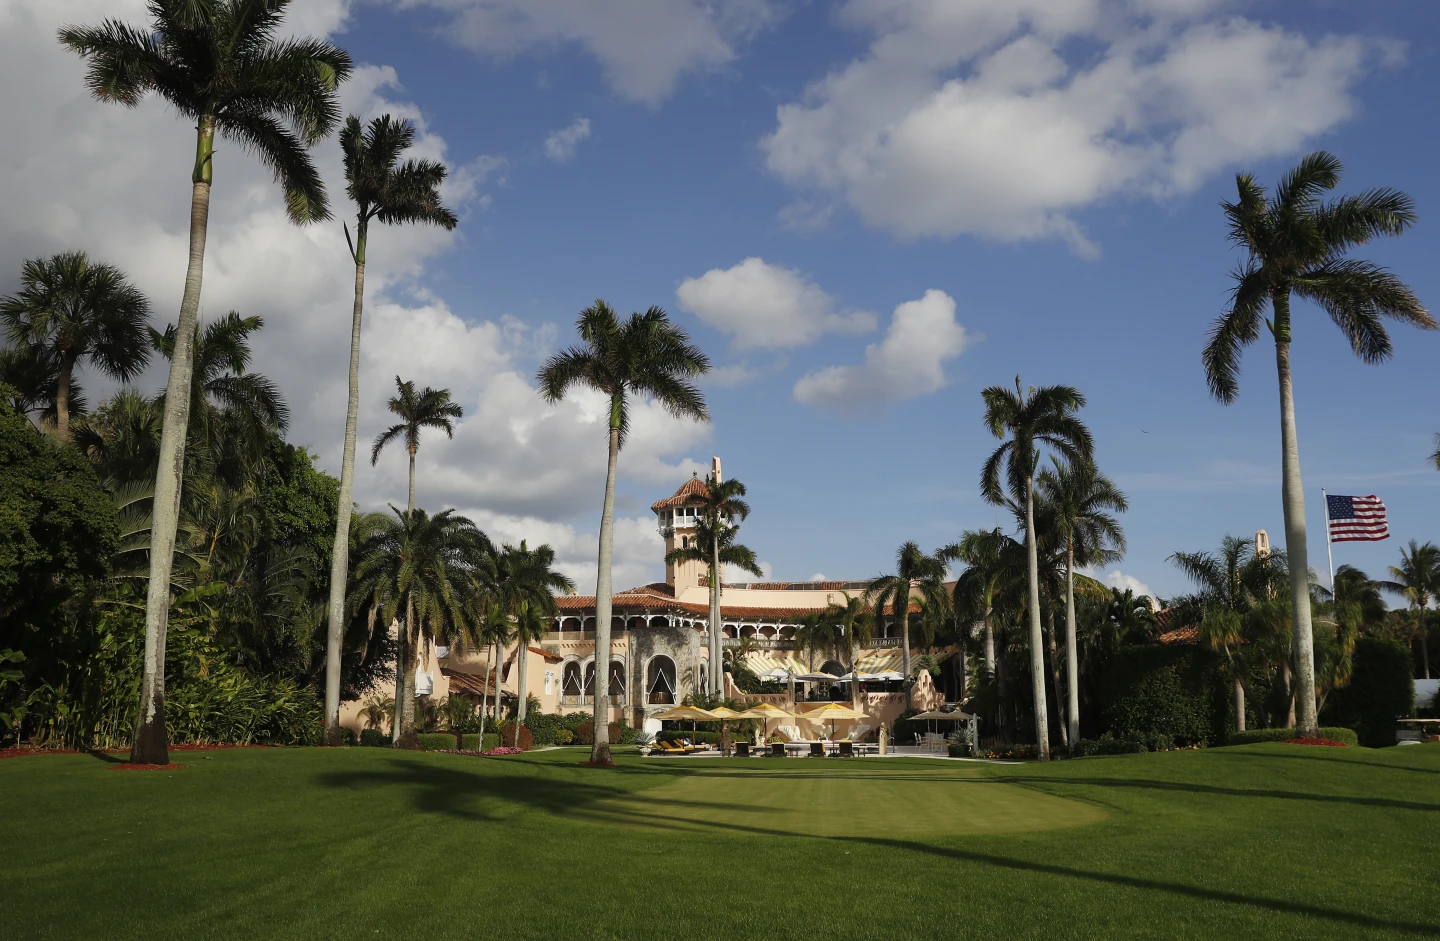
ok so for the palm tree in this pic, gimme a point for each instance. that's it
(1296, 244)
(1080, 501)
(220, 64)
(815, 633)
(1355, 602)
(1043, 416)
(991, 559)
(419, 564)
(393, 193)
(75, 311)
(912, 567)
(1417, 578)
(1218, 610)
(521, 583)
(646, 355)
(856, 626)
(428, 408)
(1435, 458)
(714, 545)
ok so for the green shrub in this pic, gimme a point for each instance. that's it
(699, 738)
(347, 736)
(492, 740)
(1382, 689)
(564, 737)
(545, 727)
(585, 733)
(436, 741)
(471, 741)
(1335, 734)
(374, 738)
(1153, 691)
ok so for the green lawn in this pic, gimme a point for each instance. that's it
(1264, 841)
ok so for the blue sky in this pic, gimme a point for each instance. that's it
(1056, 175)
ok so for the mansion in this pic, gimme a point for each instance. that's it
(659, 642)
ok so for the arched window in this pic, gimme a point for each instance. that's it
(590, 624)
(571, 624)
(659, 621)
(617, 678)
(833, 667)
(590, 679)
(660, 681)
(636, 623)
(703, 677)
(570, 684)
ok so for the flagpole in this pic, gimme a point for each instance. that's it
(1329, 552)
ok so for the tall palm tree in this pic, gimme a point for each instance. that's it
(815, 633)
(856, 626)
(1081, 501)
(220, 64)
(428, 408)
(1354, 603)
(991, 559)
(33, 377)
(422, 565)
(1296, 244)
(645, 355)
(390, 192)
(714, 545)
(1026, 420)
(912, 567)
(522, 583)
(1417, 579)
(77, 311)
(1218, 609)
(1435, 458)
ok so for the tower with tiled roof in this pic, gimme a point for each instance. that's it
(676, 518)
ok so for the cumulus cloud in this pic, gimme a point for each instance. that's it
(560, 145)
(768, 306)
(967, 118)
(643, 46)
(116, 183)
(1118, 579)
(910, 361)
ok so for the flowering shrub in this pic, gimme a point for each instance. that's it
(505, 750)
(1315, 741)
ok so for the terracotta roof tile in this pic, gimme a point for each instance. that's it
(694, 487)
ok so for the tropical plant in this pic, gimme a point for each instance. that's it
(1218, 610)
(992, 560)
(428, 408)
(815, 634)
(390, 192)
(646, 355)
(30, 376)
(1026, 420)
(714, 546)
(70, 311)
(419, 564)
(912, 567)
(856, 629)
(377, 711)
(1080, 502)
(1417, 580)
(220, 64)
(522, 583)
(1296, 244)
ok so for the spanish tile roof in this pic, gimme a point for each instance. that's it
(694, 487)
(661, 598)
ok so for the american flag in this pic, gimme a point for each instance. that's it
(1356, 519)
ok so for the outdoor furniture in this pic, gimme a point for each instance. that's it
(777, 749)
(847, 749)
(799, 748)
(742, 749)
(817, 750)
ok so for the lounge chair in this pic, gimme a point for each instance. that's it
(668, 748)
(777, 749)
(742, 749)
(817, 750)
(847, 749)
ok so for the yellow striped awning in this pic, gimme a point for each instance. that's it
(887, 662)
(760, 663)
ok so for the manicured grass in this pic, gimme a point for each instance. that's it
(1263, 841)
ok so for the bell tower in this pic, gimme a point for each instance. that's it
(675, 518)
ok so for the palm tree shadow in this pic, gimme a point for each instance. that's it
(1386, 802)
(1266, 756)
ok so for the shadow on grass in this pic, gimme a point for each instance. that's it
(1224, 791)
(453, 791)
(108, 758)
(1266, 756)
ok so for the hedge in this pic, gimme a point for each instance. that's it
(1127, 743)
(436, 741)
(516, 736)
(1335, 734)
(585, 733)
(699, 738)
(1382, 688)
(1152, 691)
(374, 738)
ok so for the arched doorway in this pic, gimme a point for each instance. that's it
(617, 681)
(660, 682)
(590, 678)
(571, 684)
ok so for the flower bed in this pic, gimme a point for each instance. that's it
(1316, 741)
(127, 766)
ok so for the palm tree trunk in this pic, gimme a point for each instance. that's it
(1293, 496)
(1072, 653)
(408, 736)
(340, 554)
(400, 658)
(989, 644)
(1424, 646)
(600, 753)
(1239, 705)
(1037, 649)
(1002, 681)
(1288, 678)
(1055, 678)
(150, 745)
(717, 669)
(62, 397)
(902, 614)
(410, 500)
(522, 661)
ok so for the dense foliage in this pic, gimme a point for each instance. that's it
(1381, 689)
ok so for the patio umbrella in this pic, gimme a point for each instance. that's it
(832, 711)
(935, 715)
(765, 712)
(693, 713)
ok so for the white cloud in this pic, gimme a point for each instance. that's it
(734, 575)
(966, 118)
(560, 145)
(115, 183)
(1118, 579)
(643, 46)
(764, 305)
(910, 361)
(805, 216)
